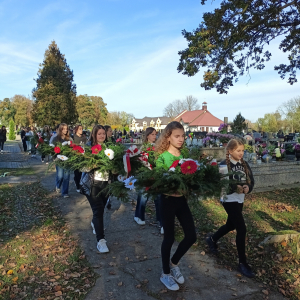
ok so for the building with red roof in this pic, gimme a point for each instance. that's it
(199, 120)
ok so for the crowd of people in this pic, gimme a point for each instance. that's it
(168, 206)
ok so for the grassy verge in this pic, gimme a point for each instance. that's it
(39, 259)
(278, 265)
(17, 172)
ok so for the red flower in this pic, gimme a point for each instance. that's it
(41, 141)
(214, 163)
(148, 149)
(135, 150)
(72, 144)
(78, 149)
(147, 188)
(174, 164)
(188, 167)
(153, 148)
(96, 149)
(56, 150)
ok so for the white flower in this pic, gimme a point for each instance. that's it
(62, 157)
(66, 143)
(172, 169)
(51, 145)
(110, 153)
(129, 182)
(121, 178)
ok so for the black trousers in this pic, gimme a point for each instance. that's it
(2, 144)
(169, 208)
(77, 177)
(235, 221)
(97, 200)
(24, 145)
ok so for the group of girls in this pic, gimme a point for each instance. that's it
(169, 206)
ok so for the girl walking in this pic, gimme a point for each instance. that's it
(28, 136)
(95, 183)
(46, 135)
(109, 134)
(168, 146)
(79, 139)
(2, 137)
(233, 202)
(139, 216)
(62, 175)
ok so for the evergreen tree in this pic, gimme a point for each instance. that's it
(239, 124)
(55, 93)
(12, 135)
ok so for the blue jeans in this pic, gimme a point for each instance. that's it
(141, 206)
(62, 180)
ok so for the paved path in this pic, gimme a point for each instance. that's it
(131, 269)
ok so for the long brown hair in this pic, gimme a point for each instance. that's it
(148, 131)
(162, 143)
(77, 127)
(60, 129)
(93, 137)
(231, 146)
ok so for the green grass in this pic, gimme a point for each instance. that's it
(18, 172)
(40, 260)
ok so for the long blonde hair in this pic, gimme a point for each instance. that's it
(162, 143)
(231, 146)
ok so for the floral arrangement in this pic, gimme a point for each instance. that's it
(279, 152)
(224, 138)
(297, 147)
(108, 157)
(223, 128)
(187, 177)
(191, 135)
(248, 148)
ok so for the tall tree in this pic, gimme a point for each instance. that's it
(55, 93)
(271, 122)
(291, 111)
(85, 110)
(12, 127)
(100, 110)
(7, 111)
(23, 108)
(233, 38)
(238, 124)
(174, 108)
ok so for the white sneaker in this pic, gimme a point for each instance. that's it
(175, 272)
(92, 224)
(102, 247)
(33, 155)
(78, 191)
(169, 281)
(57, 190)
(162, 230)
(66, 196)
(139, 221)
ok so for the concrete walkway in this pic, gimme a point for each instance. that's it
(132, 268)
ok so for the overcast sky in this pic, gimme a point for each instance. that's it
(127, 53)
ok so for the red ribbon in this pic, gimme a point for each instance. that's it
(128, 164)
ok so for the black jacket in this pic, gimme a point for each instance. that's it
(239, 176)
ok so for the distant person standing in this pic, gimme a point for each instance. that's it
(79, 139)
(2, 138)
(28, 136)
(23, 138)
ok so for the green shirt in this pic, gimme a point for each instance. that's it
(167, 159)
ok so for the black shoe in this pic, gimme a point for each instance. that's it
(213, 247)
(245, 269)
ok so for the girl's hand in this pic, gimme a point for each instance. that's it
(246, 189)
(239, 189)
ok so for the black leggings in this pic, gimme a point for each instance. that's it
(98, 201)
(171, 207)
(1, 144)
(235, 221)
(77, 177)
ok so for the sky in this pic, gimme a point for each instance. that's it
(127, 53)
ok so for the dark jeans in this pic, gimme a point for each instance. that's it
(235, 221)
(97, 202)
(62, 180)
(171, 207)
(24, 145)
(141, 206)
(77, 177)
(2, 144)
